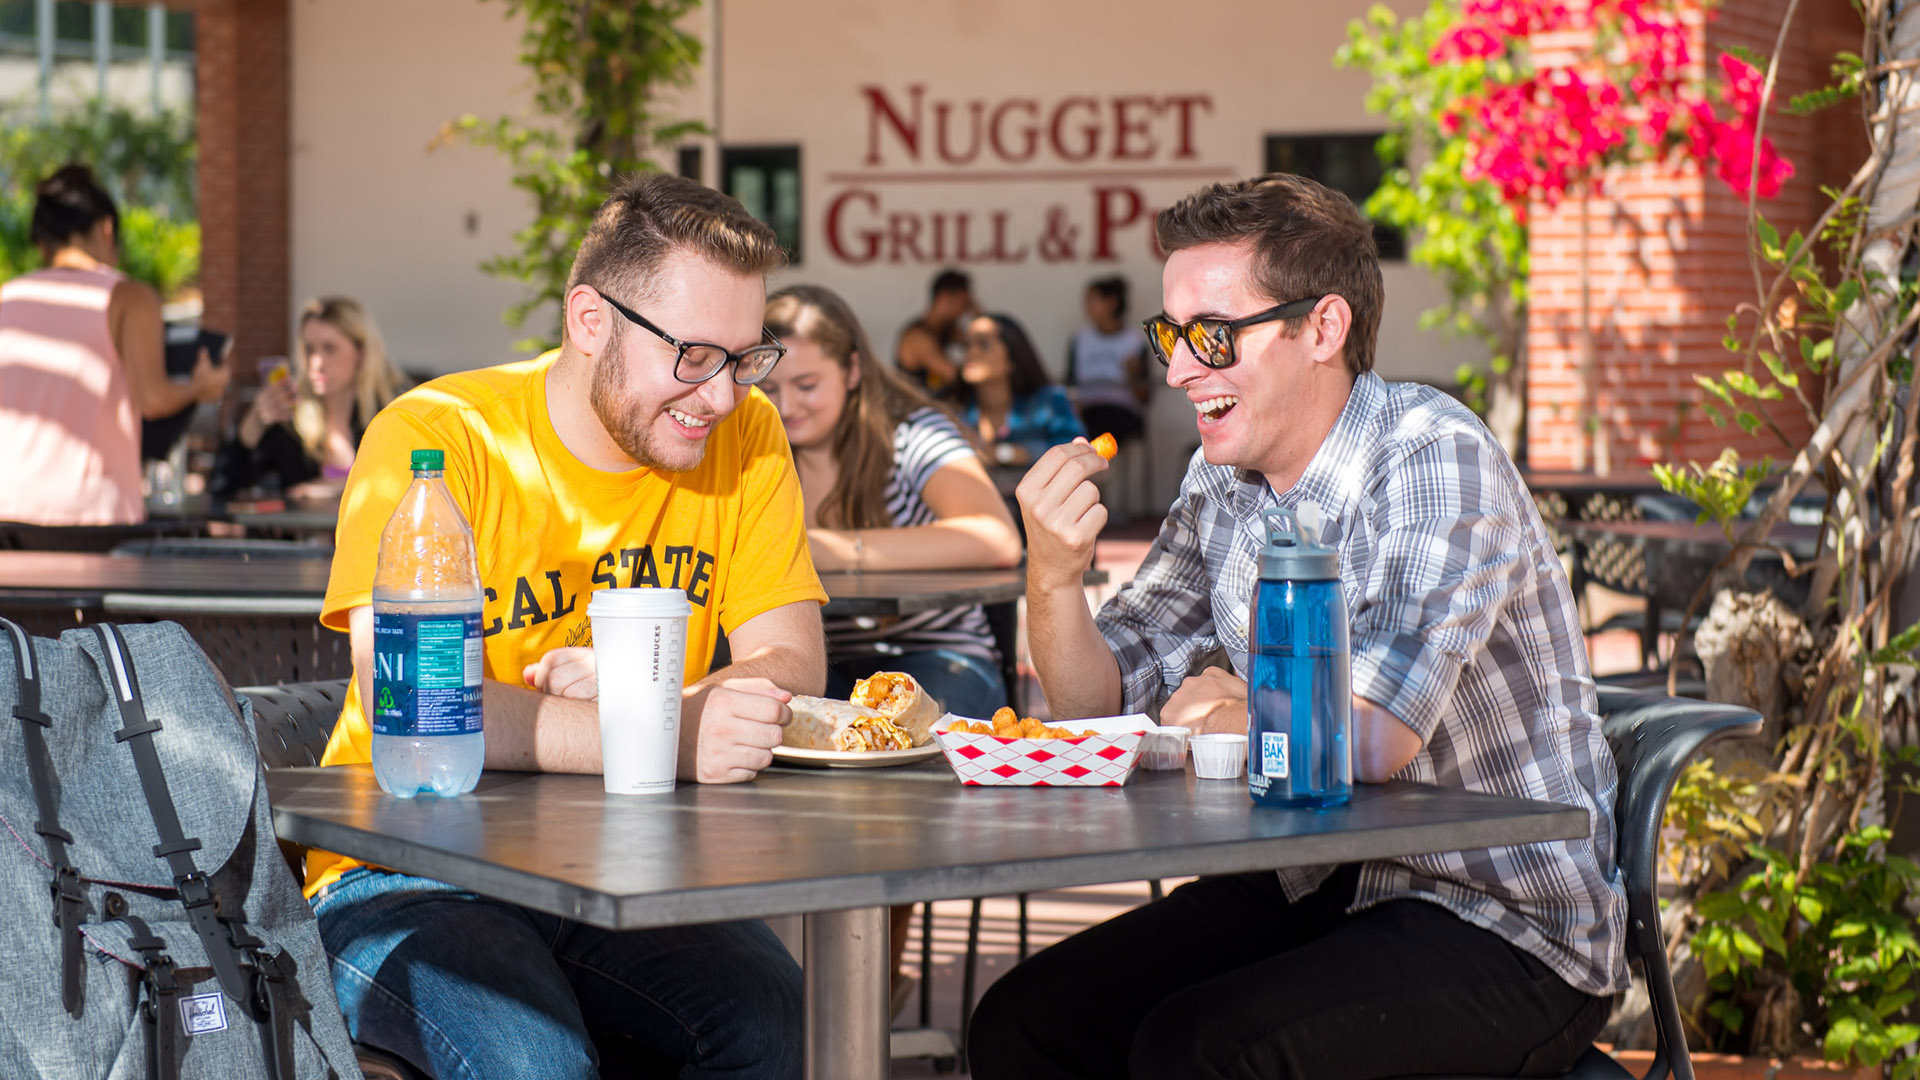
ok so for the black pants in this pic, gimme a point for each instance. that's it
(1225, 978)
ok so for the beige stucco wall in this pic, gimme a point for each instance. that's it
(378, 216)
(375, 214)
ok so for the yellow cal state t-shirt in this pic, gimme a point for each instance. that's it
(549, 530)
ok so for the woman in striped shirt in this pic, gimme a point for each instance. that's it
(890, 483)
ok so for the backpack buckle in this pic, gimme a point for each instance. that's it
(195, 890)
(160, 986)
(69, 895)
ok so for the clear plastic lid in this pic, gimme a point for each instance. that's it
(638, 603)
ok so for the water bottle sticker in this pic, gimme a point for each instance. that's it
(1273, 754)
(425, 674)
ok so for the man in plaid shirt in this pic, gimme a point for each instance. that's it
(1469, 670)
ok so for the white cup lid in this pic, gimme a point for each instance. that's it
(638, 603)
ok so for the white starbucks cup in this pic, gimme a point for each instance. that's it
(639, 652)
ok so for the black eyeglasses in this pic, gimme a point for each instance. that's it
(1212, 340)
(697, 361)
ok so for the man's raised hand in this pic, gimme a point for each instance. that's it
(1063, 513)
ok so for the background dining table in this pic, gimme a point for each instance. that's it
(87, 579)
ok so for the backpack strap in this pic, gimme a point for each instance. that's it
(69, 895)
(247, 972)
(159, 1010)
(196, 892)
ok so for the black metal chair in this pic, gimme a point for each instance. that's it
(294, 721)
(1653, 737)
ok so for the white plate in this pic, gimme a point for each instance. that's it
(847, 759)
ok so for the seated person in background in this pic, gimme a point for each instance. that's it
(930, 349)
(890, 484)
(304, 432)
(1468, 671)
(82, 362)
(1107, 364)
(620, 459)
(1011, 405)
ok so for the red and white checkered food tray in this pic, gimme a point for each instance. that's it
(1103, 759)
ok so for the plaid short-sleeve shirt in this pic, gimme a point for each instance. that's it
(1463, 627)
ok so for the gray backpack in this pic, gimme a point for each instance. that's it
(150, 924)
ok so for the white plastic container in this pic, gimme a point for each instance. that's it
(639, 653)
(1219, 757)
(1165, 747)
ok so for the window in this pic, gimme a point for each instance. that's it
(1347, 164)
(690, 162)
(766, 180)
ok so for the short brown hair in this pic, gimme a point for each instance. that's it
(1308, 240)
(651, 214)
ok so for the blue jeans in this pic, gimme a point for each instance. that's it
(963, 684)
(466, 987)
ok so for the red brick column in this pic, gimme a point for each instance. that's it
(244, 116)
(1667, 264)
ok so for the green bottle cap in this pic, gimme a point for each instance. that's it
(435, 460)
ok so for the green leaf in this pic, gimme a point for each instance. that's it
(1810, 908)
(1747, 421)
(1899, 650)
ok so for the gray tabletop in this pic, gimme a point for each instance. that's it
(795, 842)
(83, 575)
(314, 518)
(231, 586)
(904, 592)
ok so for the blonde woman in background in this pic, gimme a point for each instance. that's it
(305, 431)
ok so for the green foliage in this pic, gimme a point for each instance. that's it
(1843, 936)
(1721, 489)
(596, 65)
(1715, 812)
(147, 162)
(159, 250)
(1461, 230)
(1849, 74)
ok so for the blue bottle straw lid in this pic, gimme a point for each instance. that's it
(1288, 556)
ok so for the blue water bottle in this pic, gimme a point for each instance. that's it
(1299, 728)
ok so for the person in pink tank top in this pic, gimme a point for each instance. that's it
(81, 363)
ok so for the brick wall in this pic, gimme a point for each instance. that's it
(242, 102)
(1667, 264)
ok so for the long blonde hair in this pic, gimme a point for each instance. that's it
(375, 382)
(875, 406)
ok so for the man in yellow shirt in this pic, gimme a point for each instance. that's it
(635, 454)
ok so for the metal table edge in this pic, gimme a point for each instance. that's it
(683, 907)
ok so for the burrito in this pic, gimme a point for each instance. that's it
(898, 697)
(831, 724)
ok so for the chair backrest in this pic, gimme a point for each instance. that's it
(294, 721)
(1653, 737)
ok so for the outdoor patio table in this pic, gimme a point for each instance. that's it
(298, 519)
(838, 847)
(101, 582)
(903, 592)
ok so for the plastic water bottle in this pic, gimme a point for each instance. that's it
(425, 712)
(1299, 729)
